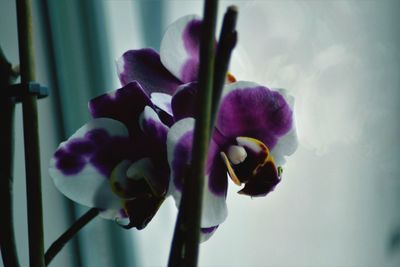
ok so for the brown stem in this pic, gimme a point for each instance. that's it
(69, 234)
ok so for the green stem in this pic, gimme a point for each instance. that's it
(226, 43)
(176, 253)
(7, 108)
(69, 234)
(31, 136)
(185, 247)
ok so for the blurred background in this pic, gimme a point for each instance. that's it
(338, 203)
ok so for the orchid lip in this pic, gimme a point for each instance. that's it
(251, 163)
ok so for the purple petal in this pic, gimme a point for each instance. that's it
(216, 171)
(103, 156)
(179, 146)
(181, 159)
(251, 110)
(180, 48)
(77, 173)
(124, 105)
(109, 153)
(184, 101)
(152, 126)
(156, 134)
(145, 67)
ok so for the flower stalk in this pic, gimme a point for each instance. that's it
(226, 43)
(7, 108)
(31, 136)
(212, 75)
(193, 188)
(69, 234)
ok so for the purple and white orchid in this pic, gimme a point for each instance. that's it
(254, 132)
(118, 162)
(137, 149)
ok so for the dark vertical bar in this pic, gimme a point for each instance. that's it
(7, 108)
(31, 136)
(194, 187)
(226, 43)
(185, 247)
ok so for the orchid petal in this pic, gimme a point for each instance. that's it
(248, 109)
(206, 233)
(162, 101)
(180, 48)
(141, 210)
(124, 105)
(130, 180)
(285, 146)
(138, 185)
(152, 126)
(184, 101)
(288, 143)
(118, 215)
(156, 132)
(144, 66)
(179, 147)
(81, 165)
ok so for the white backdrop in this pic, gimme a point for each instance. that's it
(338, 202)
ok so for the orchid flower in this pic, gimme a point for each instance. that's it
(254, 132)
(117, 162)
(136, 151)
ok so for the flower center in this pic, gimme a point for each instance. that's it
(250, 163)
(236, 154)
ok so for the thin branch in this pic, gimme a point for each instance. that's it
(69, 234)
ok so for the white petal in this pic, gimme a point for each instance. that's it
(206, 233)
(238, 85)
(288, 143)
(214, 207)
(285, 146)
(178, 48)
(288, 97)
(88, 186)
(163, 101)
(117, 215)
